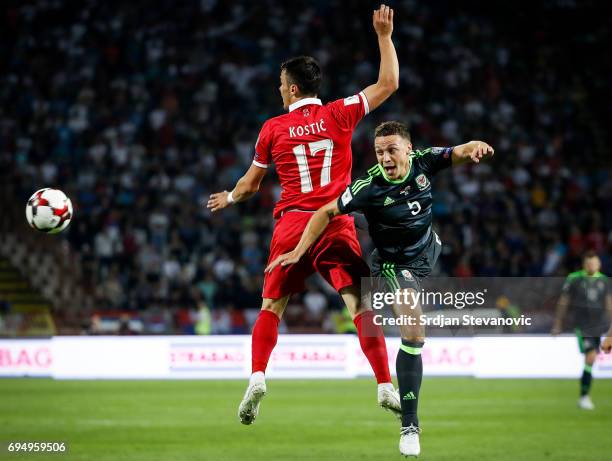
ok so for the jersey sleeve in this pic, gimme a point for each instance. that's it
(356, 196)
(434, 159)
(348, 112)
(263, 147)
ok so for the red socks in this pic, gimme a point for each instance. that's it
(372, 341)
(265, 334)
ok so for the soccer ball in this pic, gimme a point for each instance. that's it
(49, 210)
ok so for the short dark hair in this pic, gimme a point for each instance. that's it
(305, 72)
(391, 128)
(590, 254)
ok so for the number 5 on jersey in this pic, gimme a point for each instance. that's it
(326, 145)
(415, 207)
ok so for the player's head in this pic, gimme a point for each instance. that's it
(300, 77)
(393, 146)
(591, 262)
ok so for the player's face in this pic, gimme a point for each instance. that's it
(392, 152)
(592, 265)
(285, 90)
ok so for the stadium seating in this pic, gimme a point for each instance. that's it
(139, 113)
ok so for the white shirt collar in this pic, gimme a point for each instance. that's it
(304, 102)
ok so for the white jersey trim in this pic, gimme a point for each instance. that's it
(304, 102)
(260, 165)
(366, 106)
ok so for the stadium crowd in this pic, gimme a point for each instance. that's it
(138, 113)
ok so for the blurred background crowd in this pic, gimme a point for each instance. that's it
(139, 111)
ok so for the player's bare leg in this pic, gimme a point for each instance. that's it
(265, 334)
(372, 341)
(585, 401)
(409, 376)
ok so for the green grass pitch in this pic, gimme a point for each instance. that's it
(325, 420)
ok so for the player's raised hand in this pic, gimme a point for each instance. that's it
(382, 19)
(479, 150)
(218, 201)
(607, 344)
(283, 260)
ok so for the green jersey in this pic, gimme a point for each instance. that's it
(398, 211)
(587, 300)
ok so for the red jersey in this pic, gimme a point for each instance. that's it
(311, 149)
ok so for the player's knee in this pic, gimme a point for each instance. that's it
(358, 310)
(352, 300)
(276, 306)
(416, 337)
(590, 357)
(272, 308)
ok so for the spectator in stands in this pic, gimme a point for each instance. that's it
(138, 113)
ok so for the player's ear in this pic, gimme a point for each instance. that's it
(294, 90)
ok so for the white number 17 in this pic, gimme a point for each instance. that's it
(302, 160)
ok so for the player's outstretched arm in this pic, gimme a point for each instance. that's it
(388, 74)
(245, 188)
(317, 224)
(472, 151)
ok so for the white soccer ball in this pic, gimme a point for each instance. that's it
(49, 210)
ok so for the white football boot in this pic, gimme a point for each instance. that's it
(586, 403)
(389, 399)
(409, 441)
(249, 407)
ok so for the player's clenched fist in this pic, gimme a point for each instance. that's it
(218, 201)
(383, 21)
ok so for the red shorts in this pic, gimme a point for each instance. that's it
(336, 255)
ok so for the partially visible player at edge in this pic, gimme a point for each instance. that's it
(396, 199)
(311, 149)
(587, 294)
